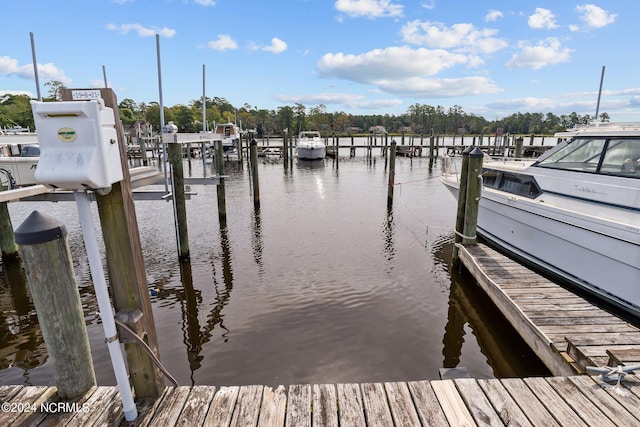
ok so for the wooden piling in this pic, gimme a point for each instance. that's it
(220, 189)
(52, 283)
(462, 197)
(179, 200)
(472, 202)
(127, 275)
(392, 174)
(254, 169)
(7, 238)
(519, 147)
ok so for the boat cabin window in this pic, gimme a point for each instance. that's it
(607, 156)
(511, 182)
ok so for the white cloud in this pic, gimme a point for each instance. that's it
(405, 71)
(141, 30)
(10, 67)
(223, 42)
(439, 88)
(546, 52)
(392, 62)
(542, 19)
(369, 8)
(465, 37)
(276, 46)
(205, 3)
(493, 15)
(595, 17)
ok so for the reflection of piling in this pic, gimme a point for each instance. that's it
(254, 174)
(392, 174)
(220, 189)
(468, 198)
(179, 199)
(52, 283)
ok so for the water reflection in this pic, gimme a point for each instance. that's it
(470, 309)
(354, 293)
(22, 342)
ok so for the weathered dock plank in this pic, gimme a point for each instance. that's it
(247, 406)
(325, 405)
(452, 404)
(273, 409)
(351, 412)
(505, 406)
(427, 405)
(222, 406)
(530, 404)
(299, 405)
(478, 403)
(375, 405)
(402, 408)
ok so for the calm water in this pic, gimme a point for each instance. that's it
(323, 285)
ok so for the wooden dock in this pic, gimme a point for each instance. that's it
(567, 332)
(555, 401)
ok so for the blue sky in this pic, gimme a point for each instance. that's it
(492, 58)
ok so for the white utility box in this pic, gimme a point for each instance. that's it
(78, 145)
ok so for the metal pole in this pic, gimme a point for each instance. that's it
(104, 304)
(35, 66)
(104, 75)
(164, 145)
(599, 93)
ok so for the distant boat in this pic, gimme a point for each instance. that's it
(310, 145)
(229, 134)
(18, 165)
(575, 212)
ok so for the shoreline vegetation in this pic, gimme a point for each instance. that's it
(419, 119)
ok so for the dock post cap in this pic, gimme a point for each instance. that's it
(253, 141)
(39, 228)
(468, 150)
(393, 141)
(476, 152)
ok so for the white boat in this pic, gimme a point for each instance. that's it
(310, 145)
(574, 212)
(229, 134)
(18, 165)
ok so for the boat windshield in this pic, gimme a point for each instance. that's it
(601, 155)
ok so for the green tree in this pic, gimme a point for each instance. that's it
(183, 117)
(55, 90)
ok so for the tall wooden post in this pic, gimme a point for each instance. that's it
(254, 169)
(220, 188)
(462, 198)
(474, 187)
(392, 174)
(52, 283)
(125, 265)
(174, 151)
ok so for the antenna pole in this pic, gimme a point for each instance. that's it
(599, 94)
(35, 65)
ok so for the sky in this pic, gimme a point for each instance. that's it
(492, 58)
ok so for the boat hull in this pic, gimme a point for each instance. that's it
(311, 152)
(595, 256)
(18, 171)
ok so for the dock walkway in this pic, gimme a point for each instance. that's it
(556, 401)
(567, 332)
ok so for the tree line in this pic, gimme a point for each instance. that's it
(15, 110)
